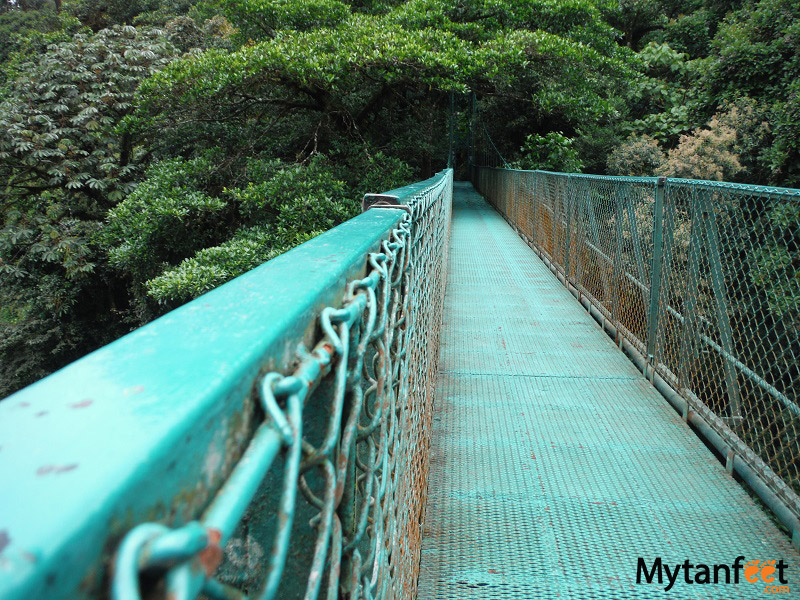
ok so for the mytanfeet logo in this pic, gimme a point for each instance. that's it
(769, 573)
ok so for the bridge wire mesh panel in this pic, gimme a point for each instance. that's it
(701, 278)
(328, 497)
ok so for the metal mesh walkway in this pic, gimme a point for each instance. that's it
(554, 463)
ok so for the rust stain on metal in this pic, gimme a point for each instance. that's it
(211, 556)
(46, 469)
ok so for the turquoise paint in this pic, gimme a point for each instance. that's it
(148, 427)
(554, 463)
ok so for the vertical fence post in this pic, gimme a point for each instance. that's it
(568, 204)
(552, 194)
(518, 202)
(533, 186)
(616, 278)
(655, 269)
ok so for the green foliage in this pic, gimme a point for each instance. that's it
(663, 95)
(297, 196)
(258, 19)
(63, 164)
(635, 18)
(775, 265)
(708, 56)
(338, 83)
(142, 166)
(169, 214)
(290, 203)
(214, 266)
(551, 152)
(166, 235)
(783, 156)
(368, 173)
(757, 51)
(58, 126)
(49, 264)
(689, 33)
(25, 35)
(99, 14)
(16, 25)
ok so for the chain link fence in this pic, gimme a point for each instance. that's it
(328, 497)
(701, 279)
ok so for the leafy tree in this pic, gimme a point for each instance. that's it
(100, 14)
(636, 18)
(295, 204)
(177, 240)
(756, 53)
(63, 164)
(260, 19)
(663, 98)
(690, 33)
(551, 152)
(25, 35)
(58, 126)
(142, 166)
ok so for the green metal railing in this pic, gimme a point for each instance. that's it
(268, 439)
(700, 282)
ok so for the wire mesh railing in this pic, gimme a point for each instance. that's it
(701, 279)
(289, 464)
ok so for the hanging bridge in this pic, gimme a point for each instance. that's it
(536, 387)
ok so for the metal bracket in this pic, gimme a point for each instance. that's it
(382, 201)
(733, 422)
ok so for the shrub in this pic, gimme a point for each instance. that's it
(637, 156)
(551, 152)
(706, 153)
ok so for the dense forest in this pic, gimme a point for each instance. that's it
(152, 150)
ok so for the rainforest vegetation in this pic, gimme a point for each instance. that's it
(151, 150)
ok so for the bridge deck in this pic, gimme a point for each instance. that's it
(554, 463)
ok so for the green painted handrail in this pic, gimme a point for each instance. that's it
(171, 436)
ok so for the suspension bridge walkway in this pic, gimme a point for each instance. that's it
(563, 386)
(555, 464)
